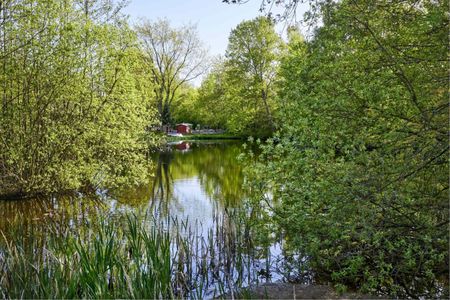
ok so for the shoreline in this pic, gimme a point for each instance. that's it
(205, 136)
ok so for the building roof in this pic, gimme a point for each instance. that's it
(185, 124)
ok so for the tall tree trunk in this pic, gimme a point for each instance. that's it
(165, 115)
(266, 106)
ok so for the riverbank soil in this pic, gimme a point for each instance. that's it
(281, 290)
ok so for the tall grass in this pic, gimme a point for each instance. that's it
(110, 260)
(127, 256)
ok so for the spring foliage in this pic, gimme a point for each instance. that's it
(238, 94)
(360, 167)
(73, 97)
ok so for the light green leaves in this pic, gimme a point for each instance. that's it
(74, 106)
(362, 177)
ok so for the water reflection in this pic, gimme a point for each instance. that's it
(183, 146)
(201, 182)
(39, 218)
(194, 181)
(191, 181)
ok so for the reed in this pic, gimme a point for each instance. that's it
(127, 256)
(109, 260)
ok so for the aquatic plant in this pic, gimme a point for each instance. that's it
(127, 256)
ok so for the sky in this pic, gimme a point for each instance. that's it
(214, 19)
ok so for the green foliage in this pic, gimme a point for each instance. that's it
(251, 66)
(359, 169)
(74, 104)
(238, 94)
(173, 57)
(117, 261)
(185, 107)
(212, 105)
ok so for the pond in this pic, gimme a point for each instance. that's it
(196, 190)
(193, 181)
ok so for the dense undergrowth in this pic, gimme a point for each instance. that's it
(359, 167)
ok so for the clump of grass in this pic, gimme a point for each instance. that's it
(108, 261)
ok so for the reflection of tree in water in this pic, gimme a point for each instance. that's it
(214, 164)
(224, 180)
(155, 194)
(217, 168)
(35, 218)
(162, 184)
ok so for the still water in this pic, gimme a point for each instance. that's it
(195, 188)
(193, 181)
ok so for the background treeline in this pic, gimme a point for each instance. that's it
(238, 93)
(74, 97)
(359, 168)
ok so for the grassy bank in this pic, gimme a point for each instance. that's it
(214, 136)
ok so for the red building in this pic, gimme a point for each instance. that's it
(184, 128)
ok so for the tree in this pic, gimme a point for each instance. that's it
(72, 111)
(212, 108)
(174, 57)
(185, 106)
(238, 93)
(252, 61)
(287, 7)
(360, 164)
